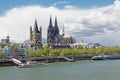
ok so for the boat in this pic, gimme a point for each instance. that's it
(101, 57)
(28, 64)
(106, 57)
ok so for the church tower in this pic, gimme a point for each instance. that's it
(53, 32)
(36, 36)
(56, 29)
(50, 33)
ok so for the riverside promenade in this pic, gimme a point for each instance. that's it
(8, 62)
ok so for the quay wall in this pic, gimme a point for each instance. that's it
(8, 62)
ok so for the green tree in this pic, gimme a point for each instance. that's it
(66, 52)
(1, 55)
(55, 52)
(31, 53)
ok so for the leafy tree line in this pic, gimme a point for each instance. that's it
(47, 51)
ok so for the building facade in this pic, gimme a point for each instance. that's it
(55, 38)
(6, 41)
(36, 36)
(85, 45)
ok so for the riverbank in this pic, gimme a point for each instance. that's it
(8, 62)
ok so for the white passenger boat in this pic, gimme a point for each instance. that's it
(28, 64)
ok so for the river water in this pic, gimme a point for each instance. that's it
(80, 70)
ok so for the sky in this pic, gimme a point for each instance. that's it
(91, 21)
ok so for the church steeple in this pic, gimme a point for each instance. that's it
(36, 27)
(56, 27)
(50, 23)
(36, 36)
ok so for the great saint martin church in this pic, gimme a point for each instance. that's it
(36, 36)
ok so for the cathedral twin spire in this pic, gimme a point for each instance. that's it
(50, 23)
(55, 27)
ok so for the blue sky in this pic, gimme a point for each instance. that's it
(7, 4)
(90, 21)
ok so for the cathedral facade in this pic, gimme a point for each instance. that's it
(55, 38)
(36, 36)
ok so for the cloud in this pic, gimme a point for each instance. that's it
(96, 25)
(69, 7)
(61, 2)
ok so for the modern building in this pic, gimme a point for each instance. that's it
(55, 38)
(36, 36)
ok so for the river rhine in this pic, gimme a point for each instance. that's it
(80, 70)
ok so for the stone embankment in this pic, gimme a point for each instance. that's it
(8, 62)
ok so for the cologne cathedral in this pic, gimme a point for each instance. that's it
(55, 38)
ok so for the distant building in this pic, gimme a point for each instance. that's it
(27, 45)
(55, 38)
(6, 41)
(16, 51)
(36, 36)
(86, 45)
(94, 45)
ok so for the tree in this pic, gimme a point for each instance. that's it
(66, 52)
(1, 55)
(55, 52)
(31, 53)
